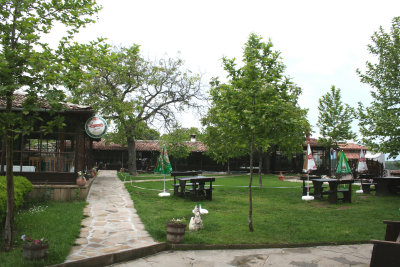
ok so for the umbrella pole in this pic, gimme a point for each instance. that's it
(164, 182)
(308, 183)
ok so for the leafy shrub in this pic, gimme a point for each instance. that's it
(22, 186)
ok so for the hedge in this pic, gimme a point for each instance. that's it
(22, 186)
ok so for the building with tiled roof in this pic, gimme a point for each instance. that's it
(55, 157)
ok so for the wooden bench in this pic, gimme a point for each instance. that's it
(182, 174)
(197, 188)
(366, 187)
(386, 253)
(346, 195)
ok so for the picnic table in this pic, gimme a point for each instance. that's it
(307, 186)
(176, 174)
(333, 189)
(387, 185)
(195, 187)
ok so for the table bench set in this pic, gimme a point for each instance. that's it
(191, 184)
(319, 190)
(382, 186)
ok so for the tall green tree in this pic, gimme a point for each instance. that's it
(124, 87)
(175, 142)
(220, 135)
(334, 121)
(28, 63)
(260, 103)
(380, 122)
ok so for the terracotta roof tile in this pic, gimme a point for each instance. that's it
(146, 145)
(20, 98)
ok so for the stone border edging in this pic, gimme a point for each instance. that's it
(171, 246)
(137, 253)
(112, 258)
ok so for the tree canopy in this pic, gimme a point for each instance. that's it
(380, 122)
(124, 87)
(28, 63)
(259, 104)
(334, 119)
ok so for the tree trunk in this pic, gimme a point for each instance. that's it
(132, 168)
(250, 182)
(260, 168)
(229, 167)
(9, 223)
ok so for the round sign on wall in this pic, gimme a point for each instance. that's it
(96, 127)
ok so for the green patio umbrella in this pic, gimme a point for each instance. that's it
(163, 167)
(343, 165)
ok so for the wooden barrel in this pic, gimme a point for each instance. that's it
(175, 232)
(35, 252)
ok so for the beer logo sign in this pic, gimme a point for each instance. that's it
(96, 127)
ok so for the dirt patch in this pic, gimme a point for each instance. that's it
(343, 208)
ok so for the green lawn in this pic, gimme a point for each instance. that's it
(58, 222)
(279, 214)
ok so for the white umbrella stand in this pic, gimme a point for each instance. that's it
(308, 197)
(309, 164)
(362, 167)
(164, 194)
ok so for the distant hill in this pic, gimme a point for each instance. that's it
(392, 165)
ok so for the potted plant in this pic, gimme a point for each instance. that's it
(34, 249)
(81, 180)
(176, 230)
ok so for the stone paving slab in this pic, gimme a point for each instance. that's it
(345, 255)
(112, 224)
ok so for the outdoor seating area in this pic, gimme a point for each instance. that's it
(334, 192)
(190, 184)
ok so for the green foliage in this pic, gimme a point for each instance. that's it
(58, 222)
(175, 143)
(22, 186)
(28, 63)
(133, 92)
(380, 122)
(334, 119)
(143, 132)
(260, 101)
(392, 165)
(277, 206)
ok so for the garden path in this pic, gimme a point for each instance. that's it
(112, 224)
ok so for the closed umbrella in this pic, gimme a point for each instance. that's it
(163, 167)
(343, 165)
(309, 164)
(362, 163)
(362, 167)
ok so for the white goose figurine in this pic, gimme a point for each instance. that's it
(203, 211)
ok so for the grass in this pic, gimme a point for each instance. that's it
(279, 214)
(58, 222)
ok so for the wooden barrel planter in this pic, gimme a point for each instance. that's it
(35, 252)
(175, 232)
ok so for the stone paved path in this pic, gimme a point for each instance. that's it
(112, 224)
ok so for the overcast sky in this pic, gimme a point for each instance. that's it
(322, 43)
